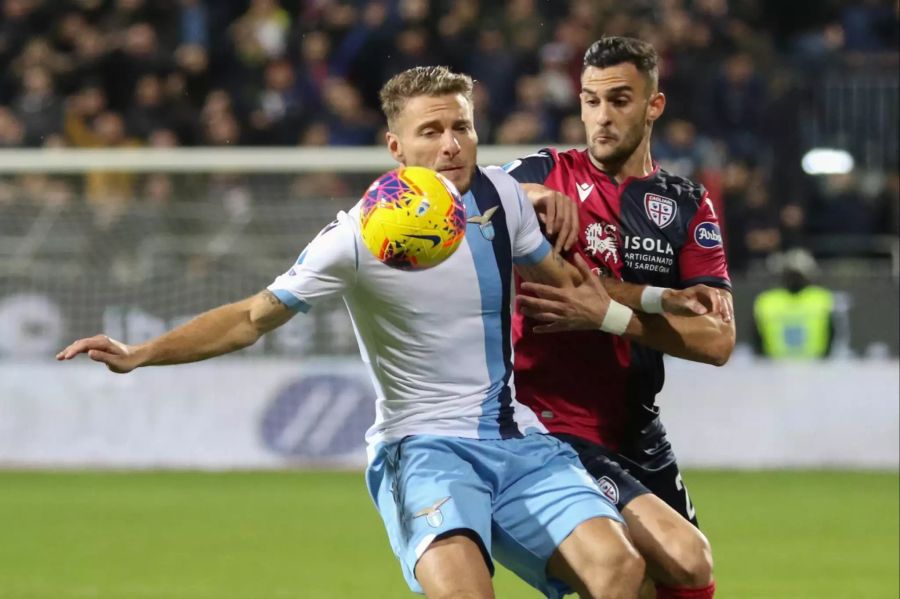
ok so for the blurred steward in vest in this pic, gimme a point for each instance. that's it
(795, 320)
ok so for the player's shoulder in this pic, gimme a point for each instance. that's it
(536, 167)
(681, 189)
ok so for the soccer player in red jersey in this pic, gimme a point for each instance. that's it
(640, 225)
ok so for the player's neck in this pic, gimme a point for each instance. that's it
(639, 164)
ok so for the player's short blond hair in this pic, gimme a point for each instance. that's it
(421, 81)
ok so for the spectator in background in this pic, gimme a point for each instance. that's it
(276, 117)
(192, 63)
(411, 50)
(531, 104)
(137, 53)
(836, 207)
(349, 122)
(313, 69)
(38, 106)
(260, 34)
(220, 125)
(680, 150)
(491, 63)
(12, 130)
(193, 23)
(752, 227)
(147, 112)
(796, 319)
(559, 92)
(738, 96)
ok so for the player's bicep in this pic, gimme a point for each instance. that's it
(326, 268)
(268, 312)
(702, 259)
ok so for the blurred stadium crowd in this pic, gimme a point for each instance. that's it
(740, 76)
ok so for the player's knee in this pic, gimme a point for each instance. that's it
(691, 560)
(619, 576)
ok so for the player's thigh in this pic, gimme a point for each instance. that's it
(548, 496)
(668, 484)
(675, 550)
(454, 566)
(598, 556)
(425, 491)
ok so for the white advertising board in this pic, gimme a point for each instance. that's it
(276, 413)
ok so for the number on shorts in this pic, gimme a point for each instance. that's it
(689, 507)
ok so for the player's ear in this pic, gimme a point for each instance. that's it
(394, 147)
(656, 107)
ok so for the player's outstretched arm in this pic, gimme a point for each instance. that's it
(219, 331)
(693, 301)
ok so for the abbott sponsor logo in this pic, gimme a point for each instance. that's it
(707, 235)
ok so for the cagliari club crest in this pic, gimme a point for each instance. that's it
(659, 209)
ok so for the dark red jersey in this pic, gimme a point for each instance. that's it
(659, 230)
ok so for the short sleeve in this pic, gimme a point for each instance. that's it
(529, 245)
(325, 269)
(702, 259)
(534, 168)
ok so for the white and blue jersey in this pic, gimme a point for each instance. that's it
(451, 447)
(436, 342)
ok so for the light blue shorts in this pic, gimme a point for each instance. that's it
(521, 497)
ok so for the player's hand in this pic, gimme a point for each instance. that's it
(698, 300)
(117, 356)
(557, 211)
(571, 309)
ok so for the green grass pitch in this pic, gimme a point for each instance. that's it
(315, 535)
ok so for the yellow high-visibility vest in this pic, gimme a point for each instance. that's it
(794, 325)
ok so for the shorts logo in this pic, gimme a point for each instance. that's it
(660, 210)
(707, 235)
(609, 489)
(433, 514)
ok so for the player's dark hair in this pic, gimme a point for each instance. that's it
(612, 50)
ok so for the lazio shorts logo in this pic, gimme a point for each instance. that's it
(433, 514)
(660, 210)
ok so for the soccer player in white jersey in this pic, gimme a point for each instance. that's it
(459, 470)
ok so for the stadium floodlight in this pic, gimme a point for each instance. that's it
(827, 161)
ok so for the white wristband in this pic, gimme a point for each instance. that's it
(651, 299)
(616, 319)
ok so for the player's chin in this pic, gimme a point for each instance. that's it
(461, 177)
(605, 152)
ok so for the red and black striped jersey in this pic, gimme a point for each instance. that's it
(659, 230)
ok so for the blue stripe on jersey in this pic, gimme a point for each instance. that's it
(493, 265)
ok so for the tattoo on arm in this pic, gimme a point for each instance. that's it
(272, 298)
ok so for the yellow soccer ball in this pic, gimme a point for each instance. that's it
(412, 218)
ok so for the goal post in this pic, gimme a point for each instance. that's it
(133, 241)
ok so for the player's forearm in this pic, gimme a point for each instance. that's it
(704, 339)
(552, 270)
(628, 294)
(219, 331)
